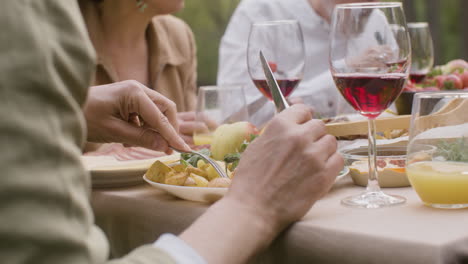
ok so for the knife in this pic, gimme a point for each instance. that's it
(278, 98)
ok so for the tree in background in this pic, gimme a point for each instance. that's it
(208, 20)
(448, 25)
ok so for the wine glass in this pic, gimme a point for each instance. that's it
(216, 106)
(369, 62)
(437, 156)
(282, 44)
(422, 51)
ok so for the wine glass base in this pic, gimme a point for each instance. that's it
(372, 200)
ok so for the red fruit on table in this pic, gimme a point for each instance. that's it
(464, 78)
(440, 79)
(452, 82)
(456, 66)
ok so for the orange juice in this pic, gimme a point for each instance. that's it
(202, 139)
(440, 182)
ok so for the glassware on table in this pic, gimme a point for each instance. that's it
(370, 62)
(422, 51)
(437, 159)
(217, 105)
(282, 43)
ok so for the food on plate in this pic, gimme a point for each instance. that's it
(391, 134)
(451, 76)
(391, 162)
(229, 141)
(228, 138)
(187, 175)
(391, 172)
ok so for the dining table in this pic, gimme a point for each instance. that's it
(329, 233)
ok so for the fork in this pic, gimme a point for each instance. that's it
(213, 163)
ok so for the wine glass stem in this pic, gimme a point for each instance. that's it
(372, 184)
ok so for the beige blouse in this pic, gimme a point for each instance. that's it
(172, 56)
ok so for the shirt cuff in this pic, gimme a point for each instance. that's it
(180, 251)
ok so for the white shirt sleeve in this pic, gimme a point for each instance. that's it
(180, 251)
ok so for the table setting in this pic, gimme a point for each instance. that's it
(403, 192)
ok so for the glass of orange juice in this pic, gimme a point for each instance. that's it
(437, 157)
(217, 105)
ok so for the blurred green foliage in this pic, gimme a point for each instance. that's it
(448, 39)
(208, 20)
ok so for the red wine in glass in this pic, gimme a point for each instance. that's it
(286, 86)
(417, 77)
(370, 94)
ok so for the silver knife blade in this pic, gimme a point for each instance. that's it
(278, 98)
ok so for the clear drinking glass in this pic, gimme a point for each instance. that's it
(421, 49)
(282, 44)
(217, 105)
(370, 61)
(437, 156)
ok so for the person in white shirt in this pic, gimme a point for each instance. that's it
(317, 89)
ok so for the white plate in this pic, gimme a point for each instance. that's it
(196, 194)
(206, 194)
(343, 173)
(106, 171)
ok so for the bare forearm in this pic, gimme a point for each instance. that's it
(229, 233)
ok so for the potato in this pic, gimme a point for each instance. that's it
(196, 171)
(178, 168)
(220, 183)
(157, 172)
(199, 180)
(190, 182)
(201, 164)
(212, 173)
(178, 179)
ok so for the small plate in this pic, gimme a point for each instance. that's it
(196, 194)
(343, 173)
(106, 171)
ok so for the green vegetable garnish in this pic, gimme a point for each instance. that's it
(435, 72)
(453, 151)
(192, 159)
(234, 158)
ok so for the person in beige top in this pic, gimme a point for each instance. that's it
(147, 45)
(48, 112)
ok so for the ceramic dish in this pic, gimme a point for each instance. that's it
(390, 165)
(107, 172)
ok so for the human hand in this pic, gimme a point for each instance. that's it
(283, 172)
(110, 112)
(374, 57)
(298, 100)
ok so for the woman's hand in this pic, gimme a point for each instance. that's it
(187, 126)
(110, 112)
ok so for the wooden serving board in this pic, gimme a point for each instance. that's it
(361, 127)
